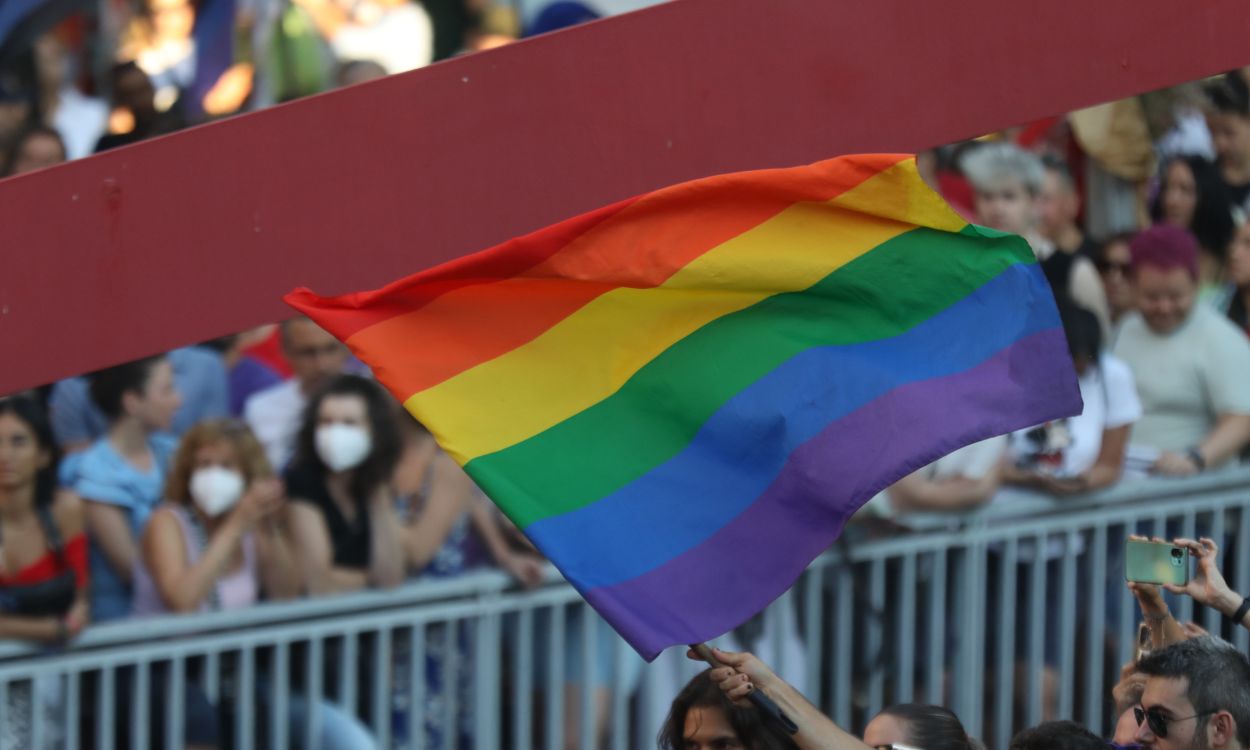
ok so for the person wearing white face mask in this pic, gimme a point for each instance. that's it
(216, 542)
(343, 523)
(219, 543)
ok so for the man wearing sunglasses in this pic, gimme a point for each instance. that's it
(1197, 697)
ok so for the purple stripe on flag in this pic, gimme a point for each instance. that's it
(722, 582)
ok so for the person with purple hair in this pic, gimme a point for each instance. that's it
(1189, 361)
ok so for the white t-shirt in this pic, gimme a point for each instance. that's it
(1070, 447)
(274, 415)
(403, 39)
(1186, 379)
(972, 461)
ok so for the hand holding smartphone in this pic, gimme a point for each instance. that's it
(1148, 561)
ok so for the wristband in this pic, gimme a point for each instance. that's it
(1241, 611)
(1195, 455)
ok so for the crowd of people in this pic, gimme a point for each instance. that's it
(1184, 689)
(268, 465)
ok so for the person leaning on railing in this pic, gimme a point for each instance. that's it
(903, 727)
(43, 553)
(43, 548)
(218, 543)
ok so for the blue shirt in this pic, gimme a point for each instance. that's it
(101, 475)
(199, 375)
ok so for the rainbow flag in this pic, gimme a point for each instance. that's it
(681, 398)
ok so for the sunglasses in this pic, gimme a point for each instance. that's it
(1158, 723)
(895, 746)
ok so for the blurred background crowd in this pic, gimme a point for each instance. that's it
(267, 465)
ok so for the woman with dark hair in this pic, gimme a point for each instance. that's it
(36, 147)
(122, 475)
(1238, 306)
(1229, 122)
(43, 557)
(917, 725)
(1192, 196)
(342, 516)
(703, 718)
(43, 552)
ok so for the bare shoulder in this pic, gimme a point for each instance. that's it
(67, 512)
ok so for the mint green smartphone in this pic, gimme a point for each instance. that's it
(1155, 562)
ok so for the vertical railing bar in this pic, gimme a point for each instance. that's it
(349, 657)
(175, 699)
(140, 693)
(904, 690)
(936, 669)
(1241, 636)
(1034, 679)
(245, 698)
(554, 725)
(875, 640)
(1006, 653)
(451, 684)
(812, 582)
(416, 704)
(1096, 610)
(105, 729)
(842, 646)
(280, 695)
(315, 670)
(523, 698)
(1067, 623)
(380, 695)
(73, 694)
(586, 722)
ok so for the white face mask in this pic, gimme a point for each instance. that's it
(216, 489)
(343, 446)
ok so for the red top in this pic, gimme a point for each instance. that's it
(48, 566)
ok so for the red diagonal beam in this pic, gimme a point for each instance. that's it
(198, 234)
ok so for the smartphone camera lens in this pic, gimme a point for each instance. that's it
(1177, 553)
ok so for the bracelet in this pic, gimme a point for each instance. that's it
(1241, 611)
(1195, 455)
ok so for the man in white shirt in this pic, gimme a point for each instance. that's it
(274, 414)
(1192, 365)
(396, 34)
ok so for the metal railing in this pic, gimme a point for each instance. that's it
(1009, 614)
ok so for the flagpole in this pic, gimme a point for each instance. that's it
(757, 697)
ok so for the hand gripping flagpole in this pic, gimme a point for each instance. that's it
(757, 697)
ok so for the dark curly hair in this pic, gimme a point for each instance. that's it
(378, 467)
(754, 730)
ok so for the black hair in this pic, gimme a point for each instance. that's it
(1098, 254)
(755, 730)
(27, 410)
(1212, 224)
(1218, 676)
(1229, 94)
(30, 131)
(931, 727)
(1060, 167)
(1057, 735)
(109, 385)
(1082, 329)
(386, 441)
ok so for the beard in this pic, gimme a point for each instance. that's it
(1199, 742)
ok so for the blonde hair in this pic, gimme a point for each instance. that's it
(251, 456)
